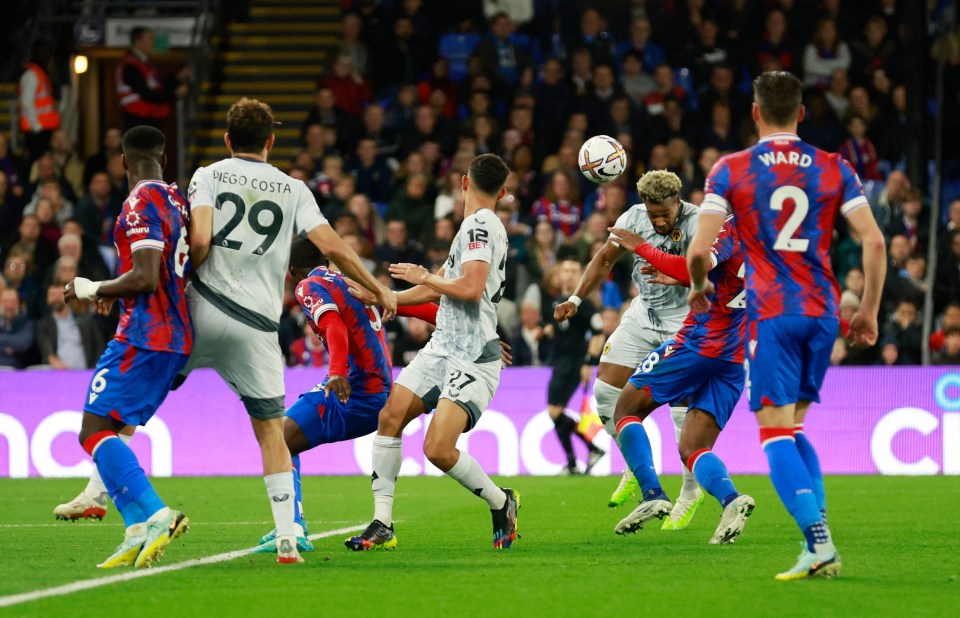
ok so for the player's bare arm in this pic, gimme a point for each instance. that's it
(863, 326)
(698, 260)
(467, 287)
(325, 238)
(141, 279)
(201, 233)
(593, 275)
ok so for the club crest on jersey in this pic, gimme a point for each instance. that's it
(676, 235)
(606, 348)
(753, 348)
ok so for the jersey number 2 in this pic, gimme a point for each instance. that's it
(269, 231)
(801, 205)
(740, 300)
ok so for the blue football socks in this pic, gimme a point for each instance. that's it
(128, 485)
(635, 446)
(712, 475)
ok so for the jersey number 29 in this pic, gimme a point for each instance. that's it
(268, 231)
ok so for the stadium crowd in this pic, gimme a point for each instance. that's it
(414, 92)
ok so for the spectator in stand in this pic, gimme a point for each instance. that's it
(861, 105)
(67, 164)
(836, 93)
(119, 187)
(29, 239)
(326, 113)
(775, 44)
(581, 72)
(400, 58)
(653, 103)
(708, 51)
(912, 223)
(374, 127)
(949, 354)
(892, 143)
(67, 340)
(51, 191)
(636, 83)
(313, 147)
(16, 330)
(527, 348)
(541, 250)
(402, 108)
(89, 263)
(953, 223)
(597, 102)
(680, 163)
(896, 286)
(372, 173)
(641, 47)
(594, 38)
(949, 320)
(427, 127)
(144, 97)
(502, 60)
(859, 151)
(95, 211)
(720, 133)
(904, 329)
(19, 275)
(414, 337)
(823, 54)
(46, 215)
(560, 205)
(307, 351)
(593, 230)
(484, 131)
(874, 50)
(820, 126)
(885, 200)
(947, 282)
(520, 12)
(46, 171)
(351, 45)
(371, 226)
(350, 90)
(97, 162)
(413, 206)
(11, 207)
(722, 89)
(13, 166)
(398, 247)
(38, 108)
(889, 352)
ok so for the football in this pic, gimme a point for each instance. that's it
(602, 159)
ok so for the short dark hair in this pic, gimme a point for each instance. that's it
(779, 95)
(488, 172)
(143, 143)
(249, 125)
(304, 255)
(137, 33)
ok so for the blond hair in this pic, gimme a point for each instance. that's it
(658, 186)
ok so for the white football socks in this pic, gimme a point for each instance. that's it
(467, 472)
(282, 501)
(387, 458)
(690, 486)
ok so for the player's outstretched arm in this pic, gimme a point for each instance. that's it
(863, 326)
(333, 331)
(595, 273)
(467, 287)
(698, 259)
(201, 233)
(141, 279)
(324, 237)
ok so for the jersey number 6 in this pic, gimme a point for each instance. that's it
(269, 231)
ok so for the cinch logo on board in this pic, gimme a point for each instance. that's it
(24, 450)
(911, 419)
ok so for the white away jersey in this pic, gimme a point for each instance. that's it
(654, 297)
(468, 330)
(257, 211)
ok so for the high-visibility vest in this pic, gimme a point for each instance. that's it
(43, 102)
(130, 101)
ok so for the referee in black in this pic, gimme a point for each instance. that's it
(571, 366)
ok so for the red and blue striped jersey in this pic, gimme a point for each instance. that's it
(719, 333)
(154, 216)
(368, 360)
(785, 195)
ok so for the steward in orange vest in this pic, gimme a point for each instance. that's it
(38, 109)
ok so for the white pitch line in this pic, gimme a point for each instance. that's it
(95, 525)
(89, 584)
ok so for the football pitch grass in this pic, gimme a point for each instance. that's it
(898, 538)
